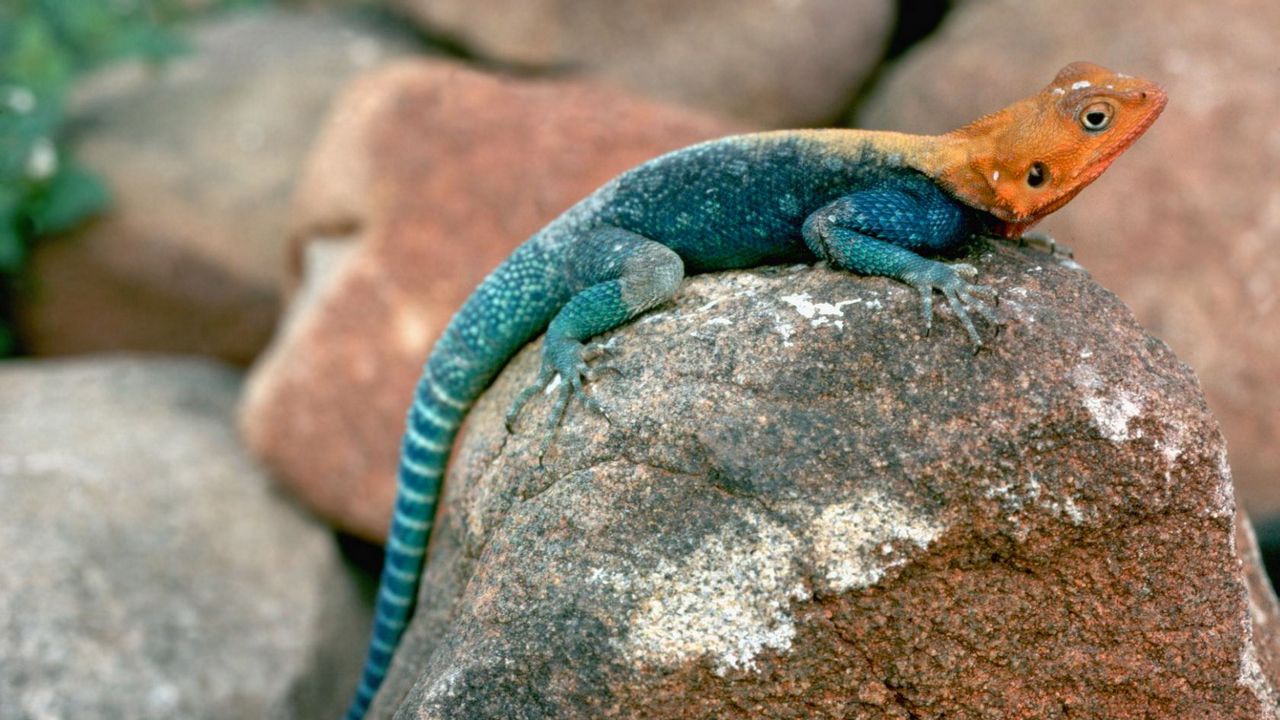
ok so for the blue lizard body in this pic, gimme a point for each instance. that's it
(870, 202)
(730, 203)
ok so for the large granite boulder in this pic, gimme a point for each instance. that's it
(426, 176)
(799, 507)
(150, 570)
(1183, 227)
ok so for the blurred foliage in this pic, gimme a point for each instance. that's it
(44, 46)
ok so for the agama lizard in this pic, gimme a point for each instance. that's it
(869, 202)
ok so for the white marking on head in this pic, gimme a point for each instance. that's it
(1079, 84)
(1059, 91)
(995, 176)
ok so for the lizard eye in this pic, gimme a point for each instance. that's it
(1037, 175)
(1096, 117)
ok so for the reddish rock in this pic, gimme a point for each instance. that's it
(438, 173)
(801, 508)
(763, 61)
(1263, 604)
(1183, 226)
(201, 156)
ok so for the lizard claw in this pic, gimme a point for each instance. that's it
(568, 359)
(962, 296)
(544, 377)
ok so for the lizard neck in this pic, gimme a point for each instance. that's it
(962, 165)
(960, 162)
(966, 165)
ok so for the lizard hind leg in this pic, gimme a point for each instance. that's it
(616, 275)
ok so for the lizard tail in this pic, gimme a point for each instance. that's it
(505, 312)
(430, 428)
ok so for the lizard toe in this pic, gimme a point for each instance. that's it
(962, 296)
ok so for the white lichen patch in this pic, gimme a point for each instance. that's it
(444, 686)
(1072, 510)
(1224, 498)
(1170, 446)
(817, 313)
(1111, 408)
(1112, 414)
(786, 330)
(728, 600)
(855, 543)
(1016, 497)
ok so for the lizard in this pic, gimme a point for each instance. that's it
(871, 202)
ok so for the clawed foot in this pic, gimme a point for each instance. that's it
(954, 283)
(568, 359)
(1045, 243)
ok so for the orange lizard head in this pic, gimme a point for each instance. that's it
(1028, 160)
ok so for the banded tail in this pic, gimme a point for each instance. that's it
(430, 428)
(508, 309)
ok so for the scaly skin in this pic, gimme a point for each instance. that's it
(870, 202)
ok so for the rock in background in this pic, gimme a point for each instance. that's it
(202, 157)
(436, 172)
(801, 508)
(1183, 227)
(761, 61)
(150, 570)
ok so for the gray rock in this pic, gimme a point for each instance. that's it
(802, 508)
(150, 570)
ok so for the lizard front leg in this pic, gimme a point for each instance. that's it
(616, 275)
(876, 233)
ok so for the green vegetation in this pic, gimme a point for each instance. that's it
(44, 46)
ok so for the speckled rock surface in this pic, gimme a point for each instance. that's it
(202, 156)
(149, 569)
(803, 509)
(1182, 227)
(774, 63)
(432, 173)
